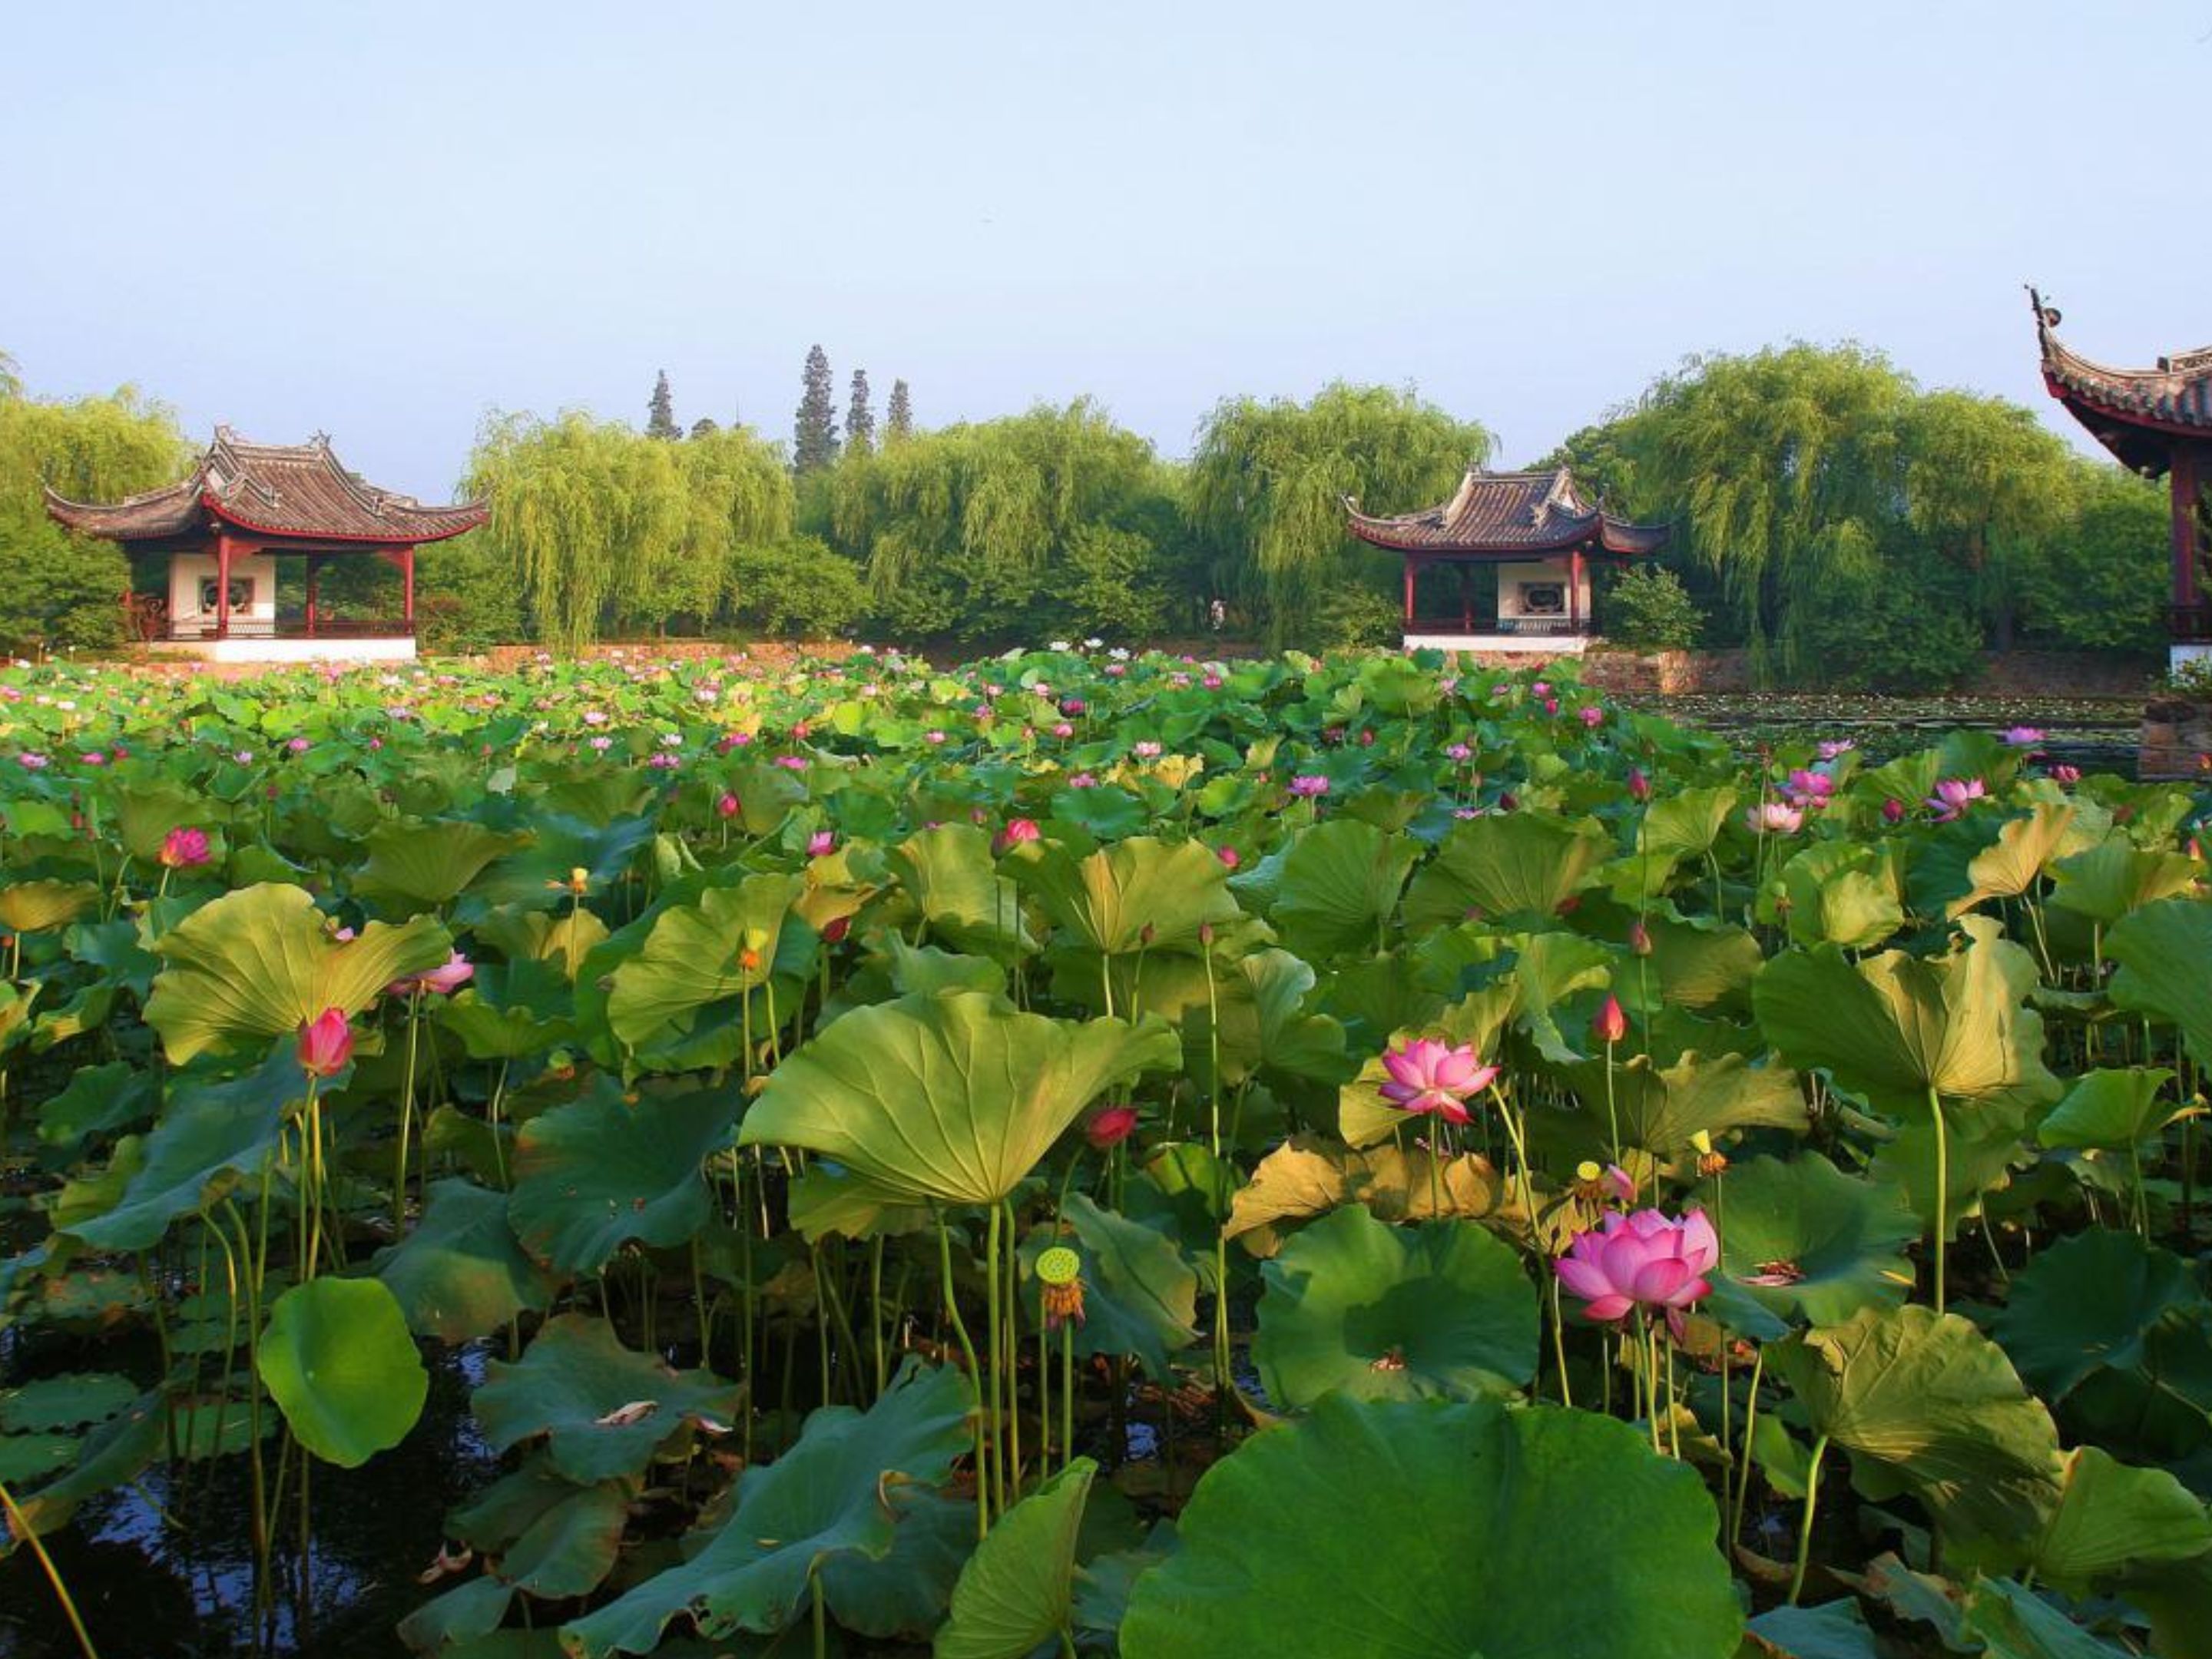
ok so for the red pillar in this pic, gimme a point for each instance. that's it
(1466, 600)
(407, 577)
(1575, 591)
(1409, 592)
(222, 586)
(2186, 481)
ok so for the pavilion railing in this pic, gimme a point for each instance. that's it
(1540, 626)
(2188, 624)
(295, 627)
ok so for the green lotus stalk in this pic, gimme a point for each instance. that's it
(968, 1352)
(1805, 1527)
(1013, 1352)
(1750, 1427)
(991, 1312)
(22, 1529)
(1943, 1190)
(1520, 1156)
(406, 1115)
(1221, 1373)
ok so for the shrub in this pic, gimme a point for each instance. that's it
(1649, 610)
(794, 589)
(466, 597)
(62, 592)
(1879, 632)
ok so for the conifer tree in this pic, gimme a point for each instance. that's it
(660, 411)
(814, 434)
(860, 419)
(898, 423)
(704, 427)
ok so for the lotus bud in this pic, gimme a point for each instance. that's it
(727, 806)
(326, 1043)
(1893, 811)
(580, 880)
(1639, 939)
(821, 844)
(1229, 857)
(835, 929)
(1111, 1127)
(1640, 786)
(1019, 832)
(1611, 1025)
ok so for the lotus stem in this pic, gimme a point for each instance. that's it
(1743, 1474)
(406, 1116)
(1943, 1191)
(992, 1311)
(1805, 1527)
(968, 1351)
(22, 1525)
(1013, 1352)
(1066, 1392)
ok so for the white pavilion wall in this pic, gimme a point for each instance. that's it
(188, 571)
(1510, 604)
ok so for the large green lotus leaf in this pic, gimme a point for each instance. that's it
(1661, 1109)
(510, 1010)
(907, 1592)
(28, 907)
(724, 945)
(1979, 1151)
(146, 812)
(1695, 962)
(1840, 893)
(2110, 1518)
(561, 941)
(1925, 1399)
(99, 1101)
(2161, 950)
(1310, 1175)
(1340, 885)
(570, 1544)
(421, 864)
(1018, 1590)
(1892, 1027)
(209, 1134)
(461, 1273)
(2021, 854)
(1519, 865)
(339, 1362)
(2175, 1595)
(1357, 1307)
(1686, 822)
(2009, 1621)
(590, 1175)
(2112, 1110)
(2107, 881)
(1258, 1004)
(26, 1459)
(1837, 1243)
(953, 1097)
(1141, 1294)
(68, 1401)
(262, 962)
(1548, 968)
(1138, 894)
(824, 1498)
(461, 1620)
(110, 1455)
(949, 873)
(1501, 1499)
(604, 1409)
(824, 1199)
(2088, 1303)
(1834, 1630)
(536, 877)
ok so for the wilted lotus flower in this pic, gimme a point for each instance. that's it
(1429, 1076)
(326, 1043)
(1307, 785)
(1019, 832)
(1111, 1127)
(1643, 1259)
(1775, 817)
(184, 849)
(457, 971)
(1952, 797)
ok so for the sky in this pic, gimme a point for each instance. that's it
(385, 219)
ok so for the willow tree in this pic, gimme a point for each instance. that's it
(1266, 486)
(600, 524)
(1784, 469)
(985, 530)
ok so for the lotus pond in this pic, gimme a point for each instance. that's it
(1079, 1153)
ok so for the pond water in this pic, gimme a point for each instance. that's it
(2094, 733)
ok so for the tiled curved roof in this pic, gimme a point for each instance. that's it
(2126, 408)
(281, 489)
(1508, 512)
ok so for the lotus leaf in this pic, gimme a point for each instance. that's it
(263, 961)
(1521, 865)
(2012, 1622)
(31, 906)
(1141, 1292)
(2020, 857)
(2113, 1111)
(1308, 1177)
(953, 1097)
(1140, 894)
(2108, 881)
(419, 866)
(605, 1408)
(949, 873)
(1339, 889)
(725, 945)
(823, 1499)
(1827, 1245)
(339, 1362)
(1018, 1588)
(1375, 1312)
(461, 1273)
(1502, 1498)
(2161, 950)
(1925, 1401)
(2110, 1518)
(590, 1175)
(2088, 1303)
(1841, 893)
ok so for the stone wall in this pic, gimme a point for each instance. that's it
(2176, 737)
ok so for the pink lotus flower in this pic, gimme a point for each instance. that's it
(1307, 785)
(1591, 717)
(1834, 747)
(1775, 817)
(1146, 751)
(2065, 774)
(443, 982)
(1810, 789)
(1458, 751)
(326, 1043)
(1953, 796)
(2022, 737)
(1111, 1127)
(1019, 832)
(821, 844)
(1643, 1259)
(1229, 857)
(184, 849)
(1429, 1076)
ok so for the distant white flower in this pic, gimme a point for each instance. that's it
(1120, 654)
(1092, 643)
(1060, 645)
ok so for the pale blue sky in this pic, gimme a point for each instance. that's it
(382, 219)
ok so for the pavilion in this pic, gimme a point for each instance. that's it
(221, 530)
(2157, 421)
(1541, 538)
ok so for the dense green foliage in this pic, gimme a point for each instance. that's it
(850, 1148)
(898, 418)
(1647, 609)
(860, 419)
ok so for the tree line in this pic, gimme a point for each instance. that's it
(1846, 525)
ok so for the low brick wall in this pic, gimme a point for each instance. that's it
(1666, 674)
(2177, 737)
